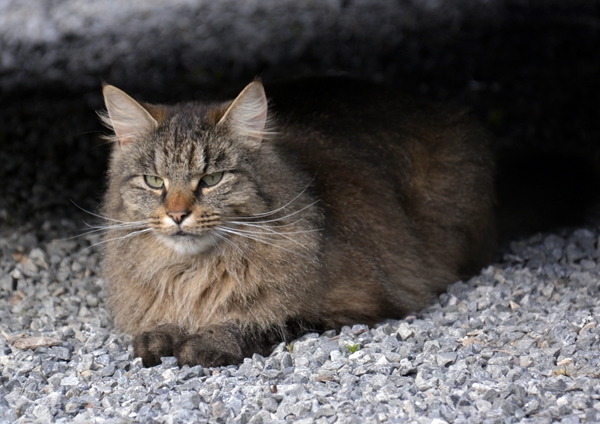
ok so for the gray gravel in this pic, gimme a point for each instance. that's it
(517, 343)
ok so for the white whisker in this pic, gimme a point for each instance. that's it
(127, 226)
(274, 211)
(133, 234)
(135, 225)
(260, 223)
(107, 218)
(274, 234)
(260, 240)
(119, 224)
(283, 217)
(224, 238)
(138, 226)
(259, 215)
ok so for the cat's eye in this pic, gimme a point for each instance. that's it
(212, 179)
(154, 182)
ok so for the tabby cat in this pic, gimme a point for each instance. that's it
(235, 225)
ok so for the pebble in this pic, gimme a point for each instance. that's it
(405, 331)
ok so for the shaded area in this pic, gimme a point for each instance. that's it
(52, 157)
(529, 72)
(542, 191)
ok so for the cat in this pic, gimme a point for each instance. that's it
(232, 226)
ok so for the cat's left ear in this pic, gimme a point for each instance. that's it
(247, 114)
(129, 119)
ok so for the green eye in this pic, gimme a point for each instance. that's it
(154, 182)
(212, 179)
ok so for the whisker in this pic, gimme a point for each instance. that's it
(273, 233)
(258, 239)
(102, 229)
(259, 215)
(224, 238)
(104, 217)
(123, 226)
(283, 217)
(118, 222)
(259, 223)
(135, 233)
(265, 214)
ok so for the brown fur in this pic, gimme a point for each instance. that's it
(343, 204)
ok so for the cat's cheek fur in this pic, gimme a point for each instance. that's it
(136, 206)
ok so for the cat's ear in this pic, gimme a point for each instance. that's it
(129, 119)
(247, 114)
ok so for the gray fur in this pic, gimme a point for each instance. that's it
(359, 206)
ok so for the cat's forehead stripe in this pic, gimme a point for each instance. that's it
(184, 150)
(187, 142)
(205, 158)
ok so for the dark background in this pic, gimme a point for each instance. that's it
(530, 71)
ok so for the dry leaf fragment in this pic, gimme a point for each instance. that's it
(564, 362)
(17, 297)
(323, 377)
(34, 342)
(587, 327)
(468, 341)
(560, 371)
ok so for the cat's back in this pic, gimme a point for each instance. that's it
(367, 126)
(407, 184)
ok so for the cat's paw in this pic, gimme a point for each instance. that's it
(210, 348)
(156, 343)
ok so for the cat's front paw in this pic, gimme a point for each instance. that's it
(210, 348)
(156, 343)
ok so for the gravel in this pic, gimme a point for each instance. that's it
(517, 343)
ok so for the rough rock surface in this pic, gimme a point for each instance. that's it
(78, 41)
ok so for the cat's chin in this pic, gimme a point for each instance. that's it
(188, 244)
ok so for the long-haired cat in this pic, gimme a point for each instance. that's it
(236, 225)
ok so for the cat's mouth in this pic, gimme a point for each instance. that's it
(182, 233)
(188, 243)
(183, 237)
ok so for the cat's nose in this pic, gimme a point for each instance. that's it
(178, 216)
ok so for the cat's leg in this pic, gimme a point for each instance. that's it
(156, 343)
(221, 345)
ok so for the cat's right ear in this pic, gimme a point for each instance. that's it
(128, 119)
(247, 114)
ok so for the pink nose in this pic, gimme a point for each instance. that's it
(178, 216)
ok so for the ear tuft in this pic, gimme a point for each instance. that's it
(247, 115)
(128, 119)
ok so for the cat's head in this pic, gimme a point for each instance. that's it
(183, 173)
